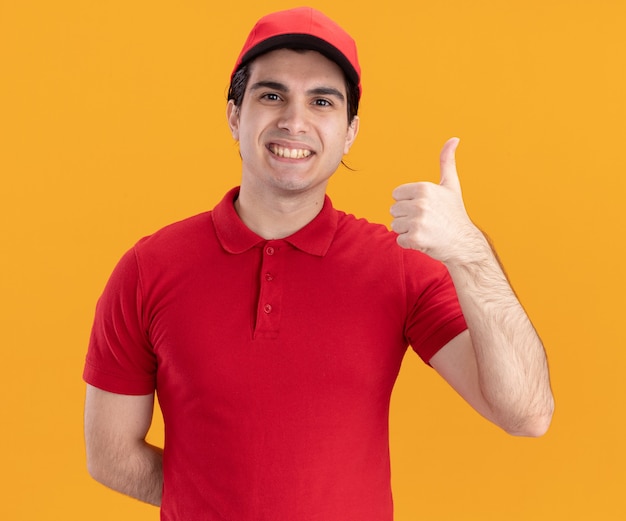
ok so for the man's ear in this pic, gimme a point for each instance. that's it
(232, 114)
(353, 130)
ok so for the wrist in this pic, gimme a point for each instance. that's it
(473, 249)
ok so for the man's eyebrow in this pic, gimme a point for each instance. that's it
(327, 91)
(274, 85)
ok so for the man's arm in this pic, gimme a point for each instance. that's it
(499, 365)
(117, 453)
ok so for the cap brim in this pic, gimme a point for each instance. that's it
(305, 42)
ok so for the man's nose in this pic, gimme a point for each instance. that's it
(294, 118)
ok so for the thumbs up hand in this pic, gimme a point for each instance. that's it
(432, 218)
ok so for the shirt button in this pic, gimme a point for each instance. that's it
(267, 308)
(269, 250)
(269, 277)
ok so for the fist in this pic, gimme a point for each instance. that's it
(430, 217)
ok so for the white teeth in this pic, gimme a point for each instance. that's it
(291, 153)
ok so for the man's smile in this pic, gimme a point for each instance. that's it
(289, 153)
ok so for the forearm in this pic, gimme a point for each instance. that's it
(136, 471)
(502, 369)
(512, 368)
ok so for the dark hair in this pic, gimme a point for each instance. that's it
(240, 81)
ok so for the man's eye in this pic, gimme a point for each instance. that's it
(323, 102)
(271, 96)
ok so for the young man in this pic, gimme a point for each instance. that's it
(273, 327)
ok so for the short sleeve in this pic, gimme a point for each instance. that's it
(435, 315)
(120, 358)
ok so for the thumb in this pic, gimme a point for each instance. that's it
(447, 161)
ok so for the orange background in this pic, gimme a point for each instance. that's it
(112, 124)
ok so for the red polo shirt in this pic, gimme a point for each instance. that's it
(273, 360)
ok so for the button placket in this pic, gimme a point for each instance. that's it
(270, 294)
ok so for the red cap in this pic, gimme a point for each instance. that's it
(302, 28)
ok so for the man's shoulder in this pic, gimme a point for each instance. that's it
(183, 235)
(370, 238)
(353, 226)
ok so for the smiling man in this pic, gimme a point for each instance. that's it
(273, 327)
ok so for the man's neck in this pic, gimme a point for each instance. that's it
(277, 216)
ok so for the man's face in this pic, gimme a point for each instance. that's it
(292, 126)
